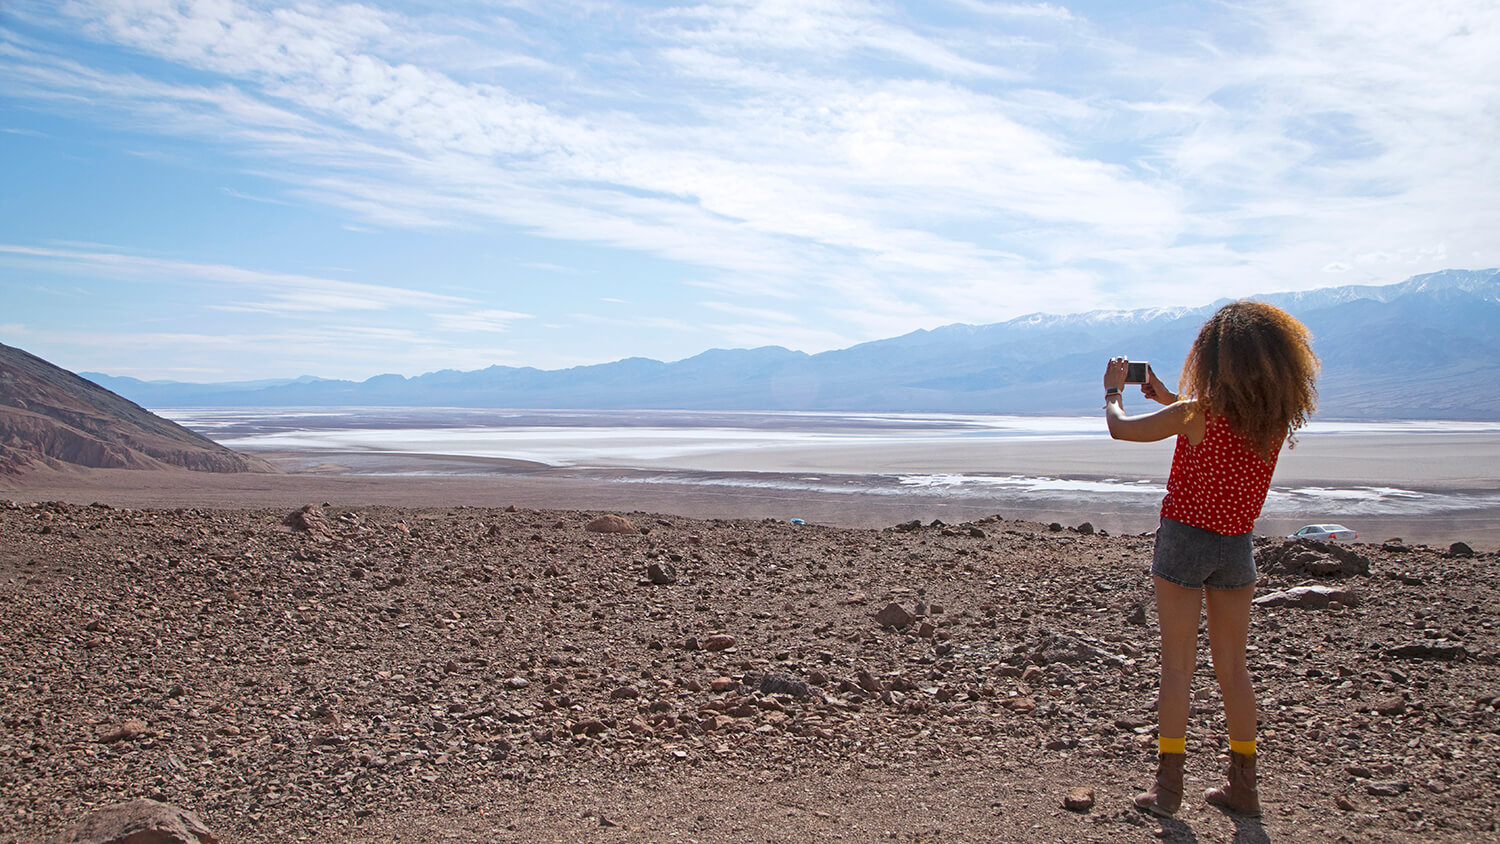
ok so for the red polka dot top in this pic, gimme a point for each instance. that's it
(1219, 484)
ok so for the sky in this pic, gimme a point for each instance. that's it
(225, 190)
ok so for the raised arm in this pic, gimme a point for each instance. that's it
(1177, 418)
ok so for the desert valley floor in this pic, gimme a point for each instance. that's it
(342, 672)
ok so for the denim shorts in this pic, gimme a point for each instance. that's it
(1193, 557)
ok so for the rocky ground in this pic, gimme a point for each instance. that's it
(511, 675)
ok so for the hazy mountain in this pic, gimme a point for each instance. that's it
(1428, 347)
(51, 417)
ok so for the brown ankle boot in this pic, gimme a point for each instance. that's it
(1240, 795)
(1164, 797)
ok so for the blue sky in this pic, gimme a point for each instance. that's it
(227, 190)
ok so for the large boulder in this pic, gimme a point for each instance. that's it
(1309, 597)
(612, 524)
(139, 822)
(1307, 557)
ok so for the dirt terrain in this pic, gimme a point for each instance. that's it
(504, 675)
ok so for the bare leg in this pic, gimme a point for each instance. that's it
(1228, 629)
(1178, 610)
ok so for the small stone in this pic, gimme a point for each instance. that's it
(719, 642)
(1460, 549)
(1079, 799)
(1386, 788)
(1344, 804)
(894, 615)
(723, 684)
(1395, 705)
(131, 729)
(589, 727)
(661, 575)
(625, 693)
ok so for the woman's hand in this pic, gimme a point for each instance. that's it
(1155, 390)
(1114, 373)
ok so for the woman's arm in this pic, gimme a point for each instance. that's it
(1175, 419)
(1155, 390)
(1178, 418)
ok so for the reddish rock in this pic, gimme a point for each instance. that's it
(611, 524)
(131, 729)
(720, 642)
(139, 822)
(1079, 800)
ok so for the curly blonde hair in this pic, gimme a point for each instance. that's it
(1254, 365)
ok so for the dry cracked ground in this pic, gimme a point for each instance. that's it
(510, 675)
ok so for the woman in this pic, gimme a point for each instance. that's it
(1248, 384)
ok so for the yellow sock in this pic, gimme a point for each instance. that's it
(1171, 745)
(1243, 748)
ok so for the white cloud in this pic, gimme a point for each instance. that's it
(482, 320)
(282, 292)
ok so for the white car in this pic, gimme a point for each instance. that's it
(1324, 533)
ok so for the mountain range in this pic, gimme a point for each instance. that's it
(1425, 348)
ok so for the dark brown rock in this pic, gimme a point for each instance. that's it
(308, 519)
(894, 615)
(1309, 557)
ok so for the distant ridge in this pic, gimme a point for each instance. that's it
(1425, 348)
(51, 417)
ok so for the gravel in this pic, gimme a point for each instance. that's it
(504, 675)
